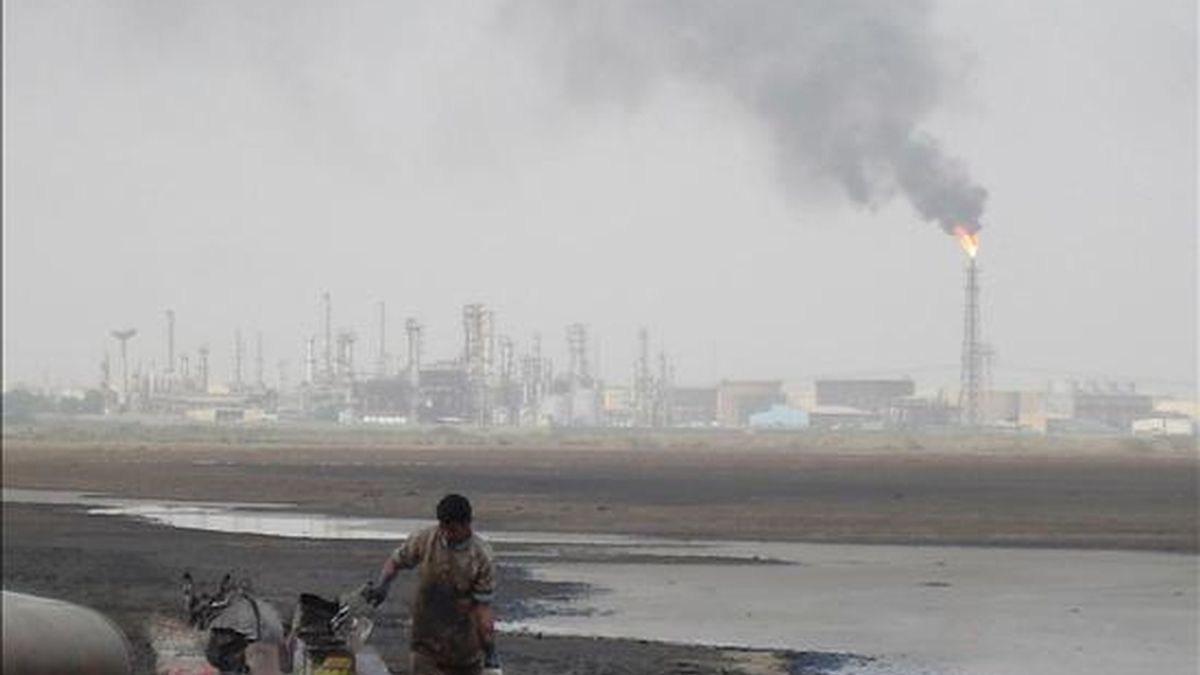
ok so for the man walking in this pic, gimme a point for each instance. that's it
(452, 630)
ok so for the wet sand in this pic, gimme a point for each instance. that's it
(1115, 495)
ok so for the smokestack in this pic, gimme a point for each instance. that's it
(105, 377)
(577, 365)
(663, 398)
(237, 359)
(641, 381)
(972, 351)
(478, 349)
(202, 367)
(310, 359)
(507, 371)
(281, 376)
(259, 380)
(577, 340)
(381, 362)
(345, 355)
(170, 370)
(124, 336)
(533, 371)
(413, 328)
(327, 304)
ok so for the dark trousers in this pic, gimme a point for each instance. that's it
(420, 664)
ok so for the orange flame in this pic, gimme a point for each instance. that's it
(968, 240)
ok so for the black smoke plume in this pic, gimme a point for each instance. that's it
(842, 86)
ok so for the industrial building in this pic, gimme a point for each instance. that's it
(737, 400)
(1113, 407)
(871, 396)
(844, 418)
(616, 405)
(693, 406)
(780, 417)
(916, 413)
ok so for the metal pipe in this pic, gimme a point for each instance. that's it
(52, 637)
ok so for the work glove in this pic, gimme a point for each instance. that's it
(374, 594)
(491, 661)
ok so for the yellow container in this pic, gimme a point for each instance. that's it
(329, 663)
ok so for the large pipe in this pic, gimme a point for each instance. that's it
(52, 637)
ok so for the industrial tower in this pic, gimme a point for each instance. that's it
(170, 370)
(381, 357)
(643, 383)
(509, 397)
(478, 359)
(123, 336)
(972, 352)
(413, 328)
(327, 360)
(533, 378)
(239, 349)
(577, 367)
(202, 367)
(259, 376)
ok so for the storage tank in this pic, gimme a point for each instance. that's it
(52, 637)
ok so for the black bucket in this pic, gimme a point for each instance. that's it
(313, 617)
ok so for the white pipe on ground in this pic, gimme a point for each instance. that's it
(52, 637)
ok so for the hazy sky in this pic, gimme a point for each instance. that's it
(673, 165)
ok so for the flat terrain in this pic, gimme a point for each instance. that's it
(1107, 493)
(878, 489)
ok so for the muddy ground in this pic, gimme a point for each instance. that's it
(130, 571)
(1111, 494)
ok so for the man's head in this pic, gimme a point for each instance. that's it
(454, 518)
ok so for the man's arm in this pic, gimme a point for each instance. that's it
(482, 613)
(375, 592)
(388, 573)
(482, 589)
(404, 557)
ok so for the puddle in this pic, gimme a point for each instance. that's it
(936, 610)
(278, 520)
(933, 610)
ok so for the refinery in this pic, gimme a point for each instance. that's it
(494, 382)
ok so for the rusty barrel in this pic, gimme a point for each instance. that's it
(45, 637)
